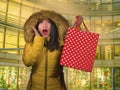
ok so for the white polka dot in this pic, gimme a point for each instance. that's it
(79, 49)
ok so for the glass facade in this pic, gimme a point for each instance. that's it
(13, 77)
(101, 16)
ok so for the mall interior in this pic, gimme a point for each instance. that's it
(100, 16)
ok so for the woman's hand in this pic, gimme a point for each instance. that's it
(35, 31)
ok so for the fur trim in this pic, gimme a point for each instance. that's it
(59, 20)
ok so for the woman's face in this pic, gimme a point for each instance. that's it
(44, 28)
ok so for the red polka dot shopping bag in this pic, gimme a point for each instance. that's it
(79, 48)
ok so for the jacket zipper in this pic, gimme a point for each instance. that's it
(46, 68)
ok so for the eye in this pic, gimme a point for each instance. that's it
(48, 21)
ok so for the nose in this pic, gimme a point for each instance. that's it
(45, 25)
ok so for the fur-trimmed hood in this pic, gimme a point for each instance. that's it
(59, 20)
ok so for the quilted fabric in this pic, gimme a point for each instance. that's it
(79, 49)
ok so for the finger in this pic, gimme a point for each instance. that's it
(35, 31)
(79, 19)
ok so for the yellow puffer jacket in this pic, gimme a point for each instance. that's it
(46, 73)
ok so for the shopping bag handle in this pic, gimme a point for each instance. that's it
(79, 21)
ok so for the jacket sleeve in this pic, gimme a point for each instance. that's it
(32, 52)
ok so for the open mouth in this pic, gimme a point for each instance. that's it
(45, 31)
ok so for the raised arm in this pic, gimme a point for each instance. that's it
(33, 51)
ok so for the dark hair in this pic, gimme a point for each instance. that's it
(53, 43)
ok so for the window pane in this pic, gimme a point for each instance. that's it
(21, 41)
(22, 22)
(13, 20)
(11, 38)
(107, 23)
(107, 27)
(14, 8)
(8, 77)
(23, 78)
(95, 24)
(116, 23)
(116, 6)
(3, 6)
(106, 6)
(97, 56)
(77, 79)
(108, 52)
(26, 11)
(13, 13)
(11, 79)
(101, 79)
(117, 78)
(1, 36)
(117, 50)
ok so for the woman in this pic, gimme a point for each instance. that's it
(44, 35)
